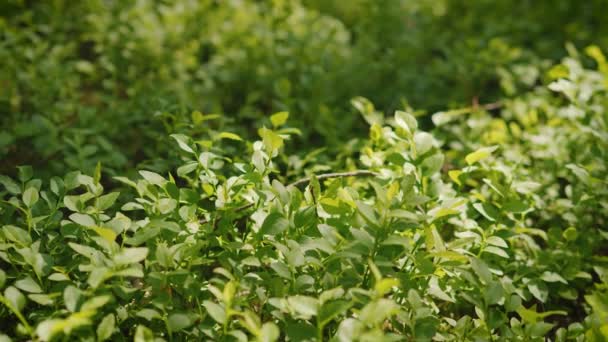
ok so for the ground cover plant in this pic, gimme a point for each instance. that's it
(279, 171)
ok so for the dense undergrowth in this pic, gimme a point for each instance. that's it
(147, 193)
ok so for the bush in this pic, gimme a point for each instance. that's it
(79, 77)
(416, 238)
(200, 170)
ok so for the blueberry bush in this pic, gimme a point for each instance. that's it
(262, 171)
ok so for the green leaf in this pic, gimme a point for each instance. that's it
(105, 329)
(97, 276)
(272, 141)
(552, 277)
(42, 299)
(570, 234)
(153, 177)
(15, 297)
(10, 185)
(481, 208)
(58, 277)
(47, 329)
(539, 290)
(106, 233)
(95, 303)
(406, 122)
(166, 205)
(279, 118)
(531, 316)
(424, 142)
(281, 269)
(71, 297)
(106, 201)
(215, 311)
(130, 255)
(378, 311)
(481, 269)
(333, 309)
(163, 254)
(148, 314)
(455, 176)
(433, 164)
(303, 306)
(82, 219)
(83, 250)
(143, 334)
(385, 285)
(25, 173)
(480, 154)
(436, 291)
(496, 251)
(493, 292)
(17, 235)
(28, 284)
(497, 241)
(269, 332)
(30, 197)
(179, 321)
(275, 223)
(425, 328)
(228, 135)
(182, 141)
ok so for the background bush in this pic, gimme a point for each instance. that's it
(78, 77)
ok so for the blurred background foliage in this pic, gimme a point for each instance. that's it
(101, 80)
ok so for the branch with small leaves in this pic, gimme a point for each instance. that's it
(303, 181)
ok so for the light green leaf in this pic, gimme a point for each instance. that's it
(436, 291)
(143, 334)
(71, 296)
(552, 277)
(105, 329)
(83, 219)
(279, 118)
(481, 269)
(30, 197)
(153, 177)
(182, 141)
(179, 321)
(275, 223)
(15, 297)
(215, 311)
(10, 185)
(269, 332)
(333, 309)
(431, 165)
(148, 314)
(130, 255)
(228, 135)
(106, 201)
(496, 251)
(303, 306)
(17, 235)
(480, 154)
(28, 284)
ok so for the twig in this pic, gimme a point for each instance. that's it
(487, 106)
(358, 173)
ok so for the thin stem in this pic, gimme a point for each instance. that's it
(10, 306)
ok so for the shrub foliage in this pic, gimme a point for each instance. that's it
(488, 225)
